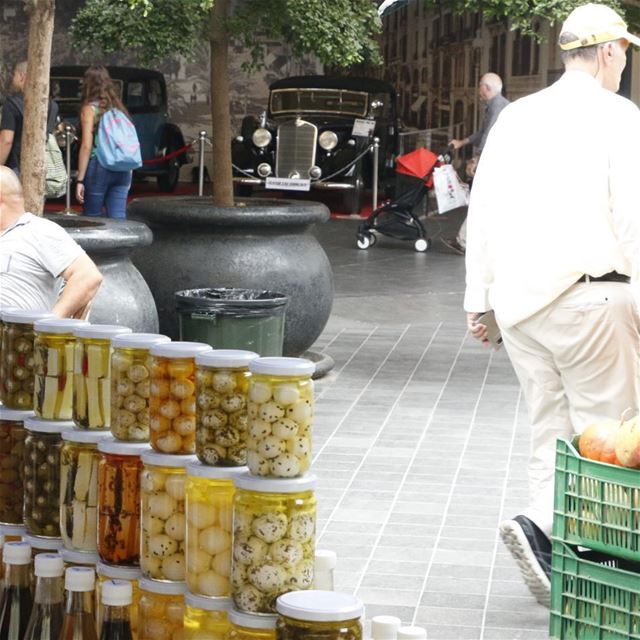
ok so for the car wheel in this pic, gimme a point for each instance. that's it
(353, 198)
(168, 181)
(421, 244)
(365, 240)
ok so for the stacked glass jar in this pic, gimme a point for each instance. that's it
(17, 362)
(92, 375)
(12, 436)
(130, 385)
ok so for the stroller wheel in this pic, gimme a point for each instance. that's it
(421, 244)
(365, 240)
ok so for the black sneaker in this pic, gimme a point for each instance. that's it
(531, 549)
(454, 245)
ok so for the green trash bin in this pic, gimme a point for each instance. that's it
(233, 318)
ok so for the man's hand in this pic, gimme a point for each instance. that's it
(477, 330)
(80, 193)
(456, 144)
(471, 166)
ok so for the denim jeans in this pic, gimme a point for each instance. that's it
(105, 191)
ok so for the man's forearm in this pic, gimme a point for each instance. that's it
(78, 292)
(5, 150)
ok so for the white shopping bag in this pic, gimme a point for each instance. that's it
(451, 192)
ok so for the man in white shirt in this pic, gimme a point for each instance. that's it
(553, 236)
(37, 256)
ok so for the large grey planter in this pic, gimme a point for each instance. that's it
(258, 244)
(124, 297)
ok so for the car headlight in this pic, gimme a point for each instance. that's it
(261, 138)
(328, 140)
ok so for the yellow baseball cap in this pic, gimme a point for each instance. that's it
(594, 24)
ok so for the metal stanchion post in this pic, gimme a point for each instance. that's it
(376, 153)
(67, 150)
(202, 137)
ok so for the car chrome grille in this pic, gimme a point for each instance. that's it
(296, 149)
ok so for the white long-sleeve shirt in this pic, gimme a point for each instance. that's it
(556, 196)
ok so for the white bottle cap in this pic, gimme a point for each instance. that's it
(117, 593)
(49, 565)
(325, 560)
(16, 553)
(385, 627)
(79, 579)
(412, 633)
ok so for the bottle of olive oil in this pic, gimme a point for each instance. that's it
(79, 621)
(45, 622)
(15, 601)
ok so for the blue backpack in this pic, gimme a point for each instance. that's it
(118, 147)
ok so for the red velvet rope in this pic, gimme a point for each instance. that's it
(173, 154)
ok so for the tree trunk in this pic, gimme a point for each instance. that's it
(222, 175)
(36, 101)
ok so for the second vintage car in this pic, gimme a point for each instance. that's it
(144, 94)
(318, 129)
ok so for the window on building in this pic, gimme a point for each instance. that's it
(436, 30)
(446, 80)
(403, 48)
(435, 70)
(425, 76)
(525, 59)
(425, 42)
(497, 54)
(415, 45)
(459, 75)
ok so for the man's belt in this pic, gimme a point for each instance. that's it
(612, 276)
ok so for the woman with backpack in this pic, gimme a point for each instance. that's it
(107, 134)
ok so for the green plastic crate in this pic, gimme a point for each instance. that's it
(597, 505)
(593, 596)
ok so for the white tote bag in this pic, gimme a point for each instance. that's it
(451, 192)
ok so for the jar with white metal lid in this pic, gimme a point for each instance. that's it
(280, 410)
(246, 626)
(161, 610)
(130, 384)
(206, 618)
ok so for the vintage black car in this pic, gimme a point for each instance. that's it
(314, 129)
(144, 93)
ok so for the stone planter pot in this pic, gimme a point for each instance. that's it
(124, 297)
(258, 244)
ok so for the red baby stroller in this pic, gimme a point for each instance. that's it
(396, 218)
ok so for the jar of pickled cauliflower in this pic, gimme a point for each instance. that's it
(280, 417)
(106, 572)
(163, 523)
(319, 614)
(12, 435)
(17, 363)
(222, 383)
(206, 618)
(245, 626)
(172, 405)
(210, 492)
(119, 470)
(274, 524)
(42, 447)
(92, 375)
(53, 356)
(79, 488)
(161, 610)
(130, 382)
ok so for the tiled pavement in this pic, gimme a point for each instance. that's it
(420, 447)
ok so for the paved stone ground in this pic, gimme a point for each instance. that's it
(420, 446)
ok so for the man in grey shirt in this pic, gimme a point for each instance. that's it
(490, 91)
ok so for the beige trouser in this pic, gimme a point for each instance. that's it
(577, 361)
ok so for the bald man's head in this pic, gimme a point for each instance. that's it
(490, 85)
(10, 187)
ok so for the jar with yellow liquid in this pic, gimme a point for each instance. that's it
(161, 610)
(206, 618)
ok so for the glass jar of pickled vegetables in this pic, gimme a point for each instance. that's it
(274, 523)
(12, 435)
(92, 375)
(119, 470)
(42, 476)
(280, 417)
(245, 626)
(43, 545)
(79, 488)
(172, 406)
(132, 574)
(163, 524)
(206, 618)
(210, 492)
(222, 383)
(79, 558)
(319, 614)
(17, 362)
(53, 356)
(161, 610)
(130, 382)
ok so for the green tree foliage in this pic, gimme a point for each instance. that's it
(339, 32)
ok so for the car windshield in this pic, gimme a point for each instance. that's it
(353, 103)
(70, 89)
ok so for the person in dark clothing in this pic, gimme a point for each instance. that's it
(12, 120)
